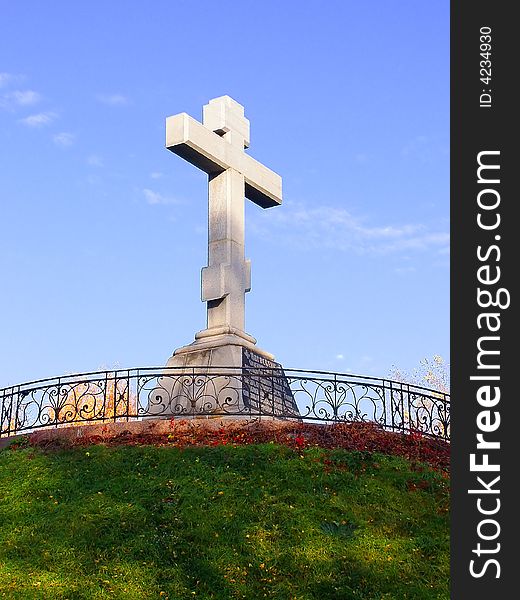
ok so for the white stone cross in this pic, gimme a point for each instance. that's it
(217, 147)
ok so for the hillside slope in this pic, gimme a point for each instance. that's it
(253, 521)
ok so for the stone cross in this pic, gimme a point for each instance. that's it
(217, 147)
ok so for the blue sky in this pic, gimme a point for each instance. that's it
(104, 231)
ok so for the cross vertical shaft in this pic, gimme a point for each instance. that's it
(226, 250)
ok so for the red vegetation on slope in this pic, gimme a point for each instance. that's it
(364, 437)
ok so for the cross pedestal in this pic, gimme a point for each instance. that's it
(217, 147)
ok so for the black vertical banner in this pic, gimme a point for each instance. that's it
(485, 268)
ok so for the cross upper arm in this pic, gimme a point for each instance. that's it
(211, 153)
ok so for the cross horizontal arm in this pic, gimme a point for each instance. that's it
(211, 153)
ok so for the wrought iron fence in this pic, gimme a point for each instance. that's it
(161, 392)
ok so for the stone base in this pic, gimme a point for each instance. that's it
(223, 374)
(209, 343)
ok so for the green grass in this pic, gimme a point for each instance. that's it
(258, 521)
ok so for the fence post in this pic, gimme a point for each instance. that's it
(128, 395)
(409, 408)
(10, 418)
(272, 392)
(336, 418)
(2, 412)
(57, 411)
(392, 417)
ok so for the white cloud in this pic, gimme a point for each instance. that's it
(112, 99)
(156, 175)
(340, 356)
(5, 79)
(156, 198)
(95, 161)
(404, 270)
(64, 138)
(23, 98)
(337, 228)
(13, 99)
(38, 120)
(94, 180)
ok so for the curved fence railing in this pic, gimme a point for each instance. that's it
(161, 392)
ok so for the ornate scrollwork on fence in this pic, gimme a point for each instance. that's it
(163, 392)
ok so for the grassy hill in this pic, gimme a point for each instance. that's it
(246, 521)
